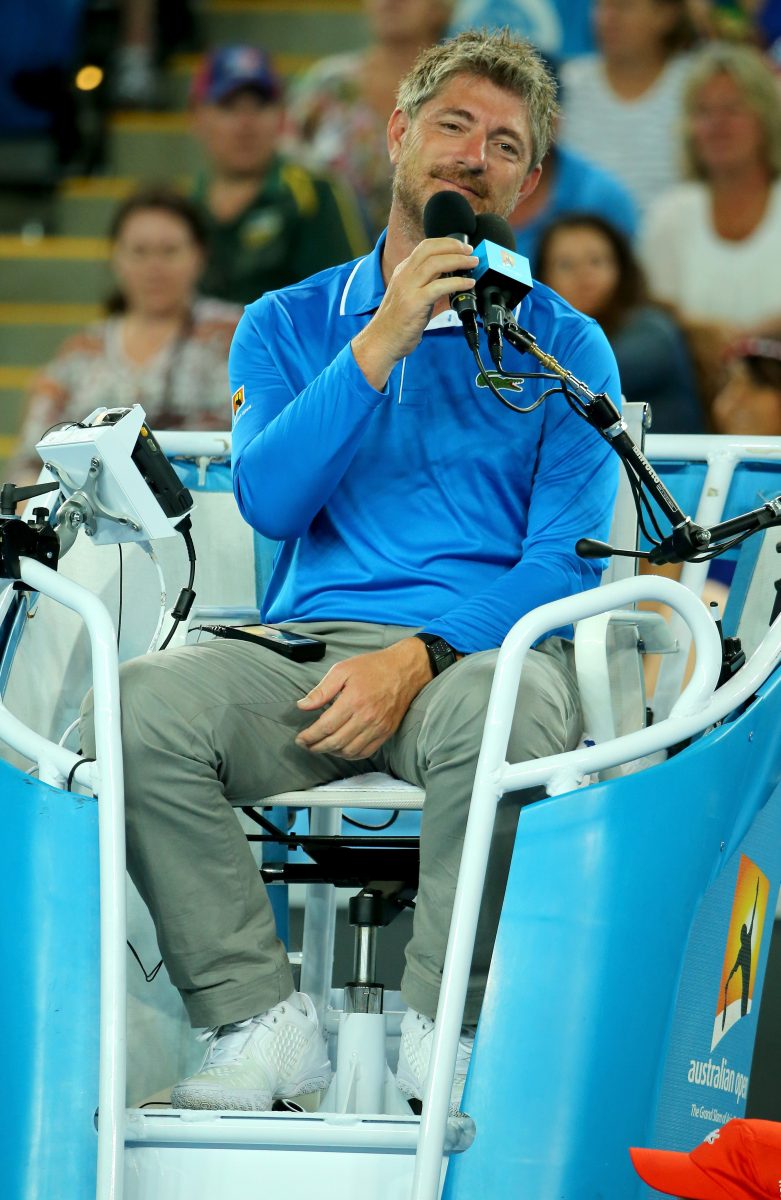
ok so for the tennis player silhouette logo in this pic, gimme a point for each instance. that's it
(742, 948)
(742, 963)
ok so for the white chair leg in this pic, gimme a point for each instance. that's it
(317, 959)
(361, 1066)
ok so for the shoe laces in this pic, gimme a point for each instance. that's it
(227, 1042)
(426, 1025)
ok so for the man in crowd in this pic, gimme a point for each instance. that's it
(271, 221)
(418, 519)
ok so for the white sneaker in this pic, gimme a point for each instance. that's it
(417, 1036)
(250, 1064)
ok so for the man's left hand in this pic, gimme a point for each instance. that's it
(367, 697)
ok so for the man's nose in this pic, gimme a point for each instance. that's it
(473, 150)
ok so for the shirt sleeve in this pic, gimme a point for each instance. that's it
(573, 496)
(291, 447)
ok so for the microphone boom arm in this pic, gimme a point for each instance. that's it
(687, 542)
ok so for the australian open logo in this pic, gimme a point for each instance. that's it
(741, 956)
(508, 260)
(503, 383)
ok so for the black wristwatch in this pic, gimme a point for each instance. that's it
(441, 654)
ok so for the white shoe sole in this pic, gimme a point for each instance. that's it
(202, 1096)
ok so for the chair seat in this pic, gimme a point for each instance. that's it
(373, 790)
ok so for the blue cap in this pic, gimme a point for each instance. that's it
(231, 68)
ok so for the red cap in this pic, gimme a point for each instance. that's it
(742, 1159)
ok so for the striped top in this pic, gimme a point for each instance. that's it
(637, 140)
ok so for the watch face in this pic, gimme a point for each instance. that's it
(441, 654)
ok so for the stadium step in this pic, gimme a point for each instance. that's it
(32, 333)
(54, 269)
(317, 27)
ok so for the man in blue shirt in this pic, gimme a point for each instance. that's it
(418, 519)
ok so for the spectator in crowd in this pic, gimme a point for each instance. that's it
(149, 30)
(621, 106)
(712, 245)
(561, 28)
(590, 263)
(570, 183)
(160, 345)
(271, 221)
(749, 403)
(338, 110)
(740, 1160)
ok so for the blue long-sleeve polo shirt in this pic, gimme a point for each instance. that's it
(426, 504)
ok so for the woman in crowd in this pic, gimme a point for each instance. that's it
(621, 106)
(590, 263)
(160, 345)
(338, 111)
(712, 245)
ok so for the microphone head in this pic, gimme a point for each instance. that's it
(493, 228)
(448, 214)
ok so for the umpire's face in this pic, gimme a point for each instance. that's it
(472, 137)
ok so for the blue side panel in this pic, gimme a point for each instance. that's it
(49, 948)
(622, 914)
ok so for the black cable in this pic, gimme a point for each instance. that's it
(497, 393)
(187, 595)
(119, 613)
(73, 771)
(360, 824)
(723, 547)
(149, 976)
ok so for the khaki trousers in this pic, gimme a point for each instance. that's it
(210, 726)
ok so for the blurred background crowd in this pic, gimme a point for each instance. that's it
(165, 162)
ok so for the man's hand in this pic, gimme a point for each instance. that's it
(368, 697)
(414, 288)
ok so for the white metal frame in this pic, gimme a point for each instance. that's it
(721, 456)
(104, 777)
(697, 708)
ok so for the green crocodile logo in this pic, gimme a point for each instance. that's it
(502, 382)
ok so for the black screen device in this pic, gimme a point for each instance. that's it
(281, 641)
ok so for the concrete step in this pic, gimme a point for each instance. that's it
(54, 269)
(14, 382)
(152, 146)
(317, 27)
(32, 333)
(85, 206)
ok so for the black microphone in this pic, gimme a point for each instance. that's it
(502, 278)
(449, 214)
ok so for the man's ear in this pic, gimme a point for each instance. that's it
(398, 125)
(530, 183)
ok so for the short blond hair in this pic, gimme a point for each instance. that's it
(508, 61)
(758, 85)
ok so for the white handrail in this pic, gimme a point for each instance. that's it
(698, 708)
(721, 456)
(106, 779)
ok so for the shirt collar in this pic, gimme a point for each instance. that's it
(365, 286)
